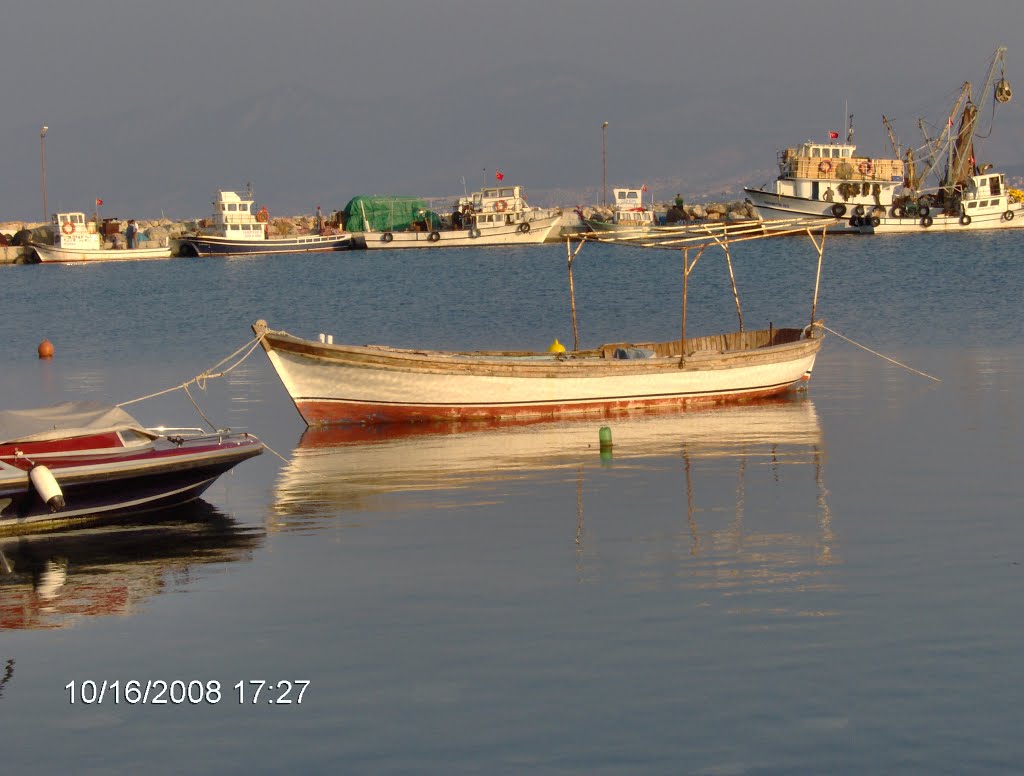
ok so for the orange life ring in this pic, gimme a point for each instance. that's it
(500, 206)
(68, 227)
(864, 167)
(825, 166)
(262, 215)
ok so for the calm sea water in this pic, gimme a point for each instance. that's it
(827, 584)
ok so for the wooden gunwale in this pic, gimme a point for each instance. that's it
(591, 363)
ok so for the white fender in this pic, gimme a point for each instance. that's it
(46, 486)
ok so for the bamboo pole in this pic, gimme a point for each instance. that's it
(570, 256)
(682, 340)
(820, 247)
(732, 280)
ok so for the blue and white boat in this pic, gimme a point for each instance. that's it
(235, 230)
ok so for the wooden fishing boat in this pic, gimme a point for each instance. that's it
(341, 383)
(84, 459)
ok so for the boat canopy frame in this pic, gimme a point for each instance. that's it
(698, 238)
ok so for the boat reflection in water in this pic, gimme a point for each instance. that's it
(343, 468)
(52, 580)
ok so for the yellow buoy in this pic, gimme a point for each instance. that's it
(556, 347)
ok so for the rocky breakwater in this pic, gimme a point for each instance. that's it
(668, 213)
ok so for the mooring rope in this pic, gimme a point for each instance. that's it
(881, 355)
(209, 374)
(200, 379)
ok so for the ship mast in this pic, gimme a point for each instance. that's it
(959, 146)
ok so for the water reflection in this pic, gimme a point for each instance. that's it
(740, 507)
(339, 469)
(53, 580)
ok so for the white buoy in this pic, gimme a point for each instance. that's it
(46, 486)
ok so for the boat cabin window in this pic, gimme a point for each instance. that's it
(993, 186)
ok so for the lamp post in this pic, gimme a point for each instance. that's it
(604, 168)
(42, 161)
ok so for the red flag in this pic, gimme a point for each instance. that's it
(833, 135)
(98, 201)
(644, 187)
(499, 175)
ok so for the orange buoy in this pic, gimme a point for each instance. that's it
(46, 349)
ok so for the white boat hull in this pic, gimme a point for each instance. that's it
(353, 384)
(770, 206)
(948, 223)
(51, 254)
(540, 230)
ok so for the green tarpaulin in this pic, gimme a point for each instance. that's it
(387, 214)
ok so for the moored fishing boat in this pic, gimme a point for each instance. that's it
(235, 230)
(829, 180)
(967, 195)
(340, 383)
(83, 459)
(492, 216)
(76, 239)
(629, 214)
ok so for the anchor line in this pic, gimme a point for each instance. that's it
(881, 355)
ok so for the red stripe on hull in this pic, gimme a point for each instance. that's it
(109, 441)
(318, 412)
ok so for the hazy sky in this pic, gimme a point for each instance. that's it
(153, 105)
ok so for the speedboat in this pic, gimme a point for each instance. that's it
(85, 459)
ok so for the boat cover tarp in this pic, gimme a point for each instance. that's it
(387, 214)
(60, 421)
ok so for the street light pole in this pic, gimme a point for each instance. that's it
(42, 161)
(604, 168)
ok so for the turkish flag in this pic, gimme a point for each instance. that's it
(98, 202)
(833, 135)
(499, 175)
(644, 187)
